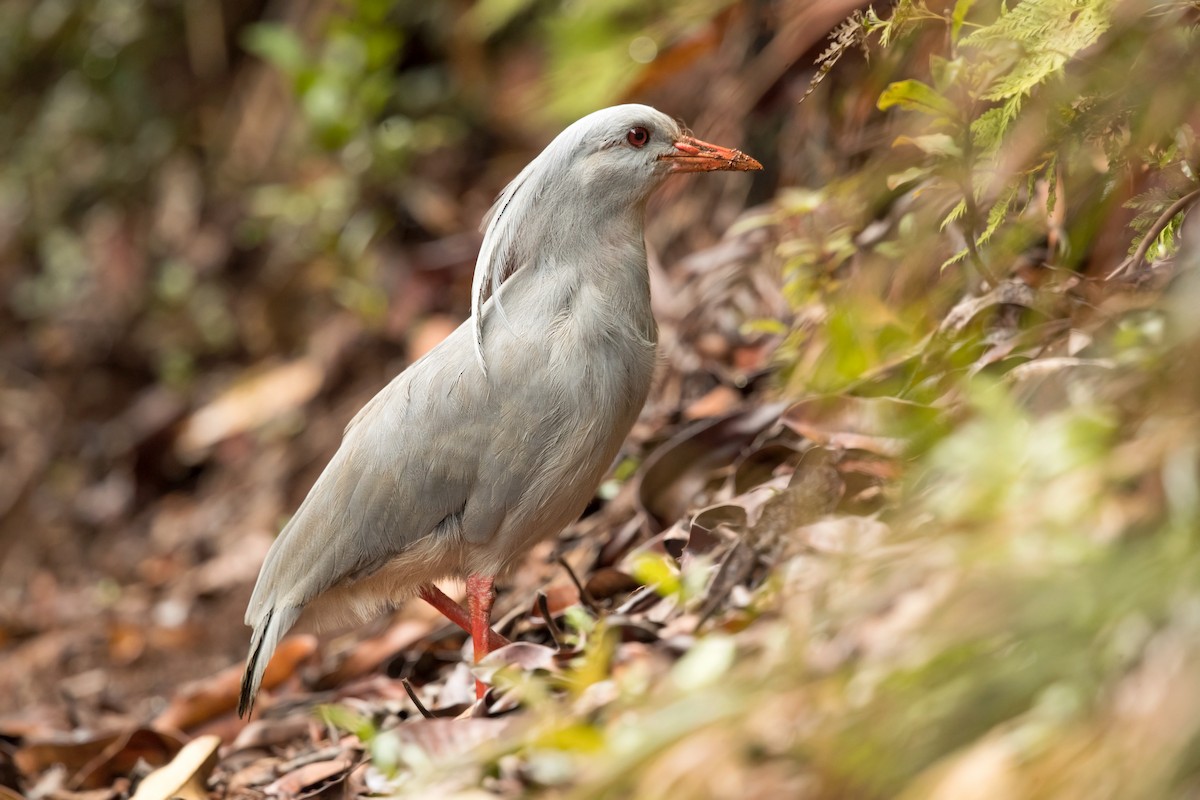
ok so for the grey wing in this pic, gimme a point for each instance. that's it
(403, 468)
(398, 473)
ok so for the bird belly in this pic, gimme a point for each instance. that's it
(588, 391)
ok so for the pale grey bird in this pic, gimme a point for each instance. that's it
(498, 437)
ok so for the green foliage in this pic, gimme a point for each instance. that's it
(1008, 76)
(999, 129)
(349, 81)
(1032, 522)
(595, 50)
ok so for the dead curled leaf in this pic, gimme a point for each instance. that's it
(96, 762)
(313, 778)
(186, 776)
(525, 655)
(1010, 292)
(678, 471)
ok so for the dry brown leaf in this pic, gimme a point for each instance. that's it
(258, 772)
(218, 694)
(559, 597)
(368, 654)
(96, 762)
(186, 776)
(312, 778)
(609, 582)
(720, 400)
(677, 472)
(526, 655)
(263, 733)
(248, 404)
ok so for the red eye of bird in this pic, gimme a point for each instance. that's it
(638, 136)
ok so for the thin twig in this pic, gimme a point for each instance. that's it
(551, 625)
(584, 594)
(1154, 231)
(412, 695)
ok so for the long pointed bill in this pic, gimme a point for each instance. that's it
(693, 155)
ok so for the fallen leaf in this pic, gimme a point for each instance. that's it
(609, 582)
(559, 597)
(1007, 293)
(248, 404)
(526, 655)
(218, 694)
(258, 772)
(268, 732)
(368, 654)
(678, 471)
(96, 762)
(312, 778)
(720, 400)
(763, 464)
(186, 776)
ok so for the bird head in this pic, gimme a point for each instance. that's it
(593, 179)
(623, 153)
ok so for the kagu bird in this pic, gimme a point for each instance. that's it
(498, 437)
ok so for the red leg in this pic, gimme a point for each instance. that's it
(480, 595)
(454, 612)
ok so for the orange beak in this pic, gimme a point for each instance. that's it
(693, 155)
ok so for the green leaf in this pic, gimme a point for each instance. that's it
(657, 571)
(912, 95)
(934, 144)
(944, 71)
(488, 17)
(276, 45)
(997, 215)
(954, 259)
(958, 16)
(955, 213)
(909, 175)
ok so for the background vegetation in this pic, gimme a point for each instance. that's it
(912, 511)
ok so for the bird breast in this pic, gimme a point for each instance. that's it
(575, 363)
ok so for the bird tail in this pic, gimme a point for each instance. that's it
(267, 633)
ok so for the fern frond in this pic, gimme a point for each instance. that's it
(1047, 33)
(850, 32)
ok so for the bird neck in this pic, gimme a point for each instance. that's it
(596, 277)
(610, 257)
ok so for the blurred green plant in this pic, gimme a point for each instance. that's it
(594, 50)
(1034, 614)
(1016, 145)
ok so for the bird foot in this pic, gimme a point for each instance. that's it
(455, 613)
(476, 621)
